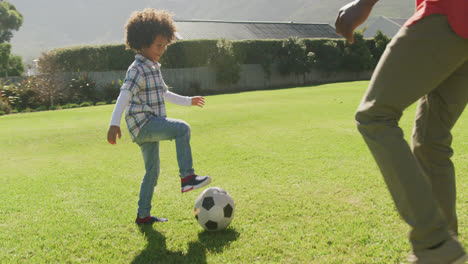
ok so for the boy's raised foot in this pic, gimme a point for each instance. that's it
(193, 182)
(149, 220)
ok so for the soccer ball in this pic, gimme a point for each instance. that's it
(214, 209)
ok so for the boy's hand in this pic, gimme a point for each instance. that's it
(351, 16)
(198, 101)
(112, 134)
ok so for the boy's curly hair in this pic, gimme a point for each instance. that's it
(143, 26)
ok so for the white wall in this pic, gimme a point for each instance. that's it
(202, 80)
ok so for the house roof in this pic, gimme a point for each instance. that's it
(239, 30)
(398, 21)
(388, 26)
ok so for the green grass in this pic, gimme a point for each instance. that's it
(305, 186)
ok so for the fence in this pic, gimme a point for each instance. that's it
(202, 80)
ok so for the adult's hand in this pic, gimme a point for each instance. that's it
(351, 16)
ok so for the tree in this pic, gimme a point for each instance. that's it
(294, 58)
(10, 19)
(381, 41)
(5, 49)
(15, 65)
(357, 56)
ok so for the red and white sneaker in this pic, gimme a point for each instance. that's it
(193, 182)
(149, 220)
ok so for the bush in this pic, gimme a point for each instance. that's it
(263, 52)
(100, 103)
(2, 113)
(42, 108)
(189, 53)
(87, 59)
(328, 56)
(71, 105)
(294, 58)
(226, 65)
(5, 107)
(86, 104)
(379, 42)
(81, 89)
(110, 91)
(32, 92)
(40, 90)
(357, 56)
(9, 94)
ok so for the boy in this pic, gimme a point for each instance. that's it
(143, 94)
(426, 60)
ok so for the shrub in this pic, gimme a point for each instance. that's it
(42, 108)
(70, 105)
(81, 89)
(87, 58)
(100, 103)
(33, 92)
(86, 104)
(263, 52)
(328, 56)
(226, 65)
(110, 91)
(357, 56)
(380, 43)
(294, 58)
(5, 107)
(189, 53)
(2, 113)
(9, 94)
(41, 90)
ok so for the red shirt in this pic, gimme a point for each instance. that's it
(455, 10)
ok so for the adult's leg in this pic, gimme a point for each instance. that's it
(416, 62)
(436, 115)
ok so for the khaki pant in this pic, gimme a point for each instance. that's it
(429, 62)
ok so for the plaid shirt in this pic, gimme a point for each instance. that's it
(145, 82)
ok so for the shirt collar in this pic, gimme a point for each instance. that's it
(148, 62)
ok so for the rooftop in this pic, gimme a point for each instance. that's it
(240, 30)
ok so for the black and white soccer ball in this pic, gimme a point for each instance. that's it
(214, 209)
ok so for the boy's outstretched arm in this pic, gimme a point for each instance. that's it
(351, 16)
(184, 100)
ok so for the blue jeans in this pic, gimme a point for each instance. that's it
(148, 138)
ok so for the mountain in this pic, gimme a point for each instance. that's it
(50, 24)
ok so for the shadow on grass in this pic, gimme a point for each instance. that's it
(156, 251)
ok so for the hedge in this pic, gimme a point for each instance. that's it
(326, 54)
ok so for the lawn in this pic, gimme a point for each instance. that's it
(305, 186)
